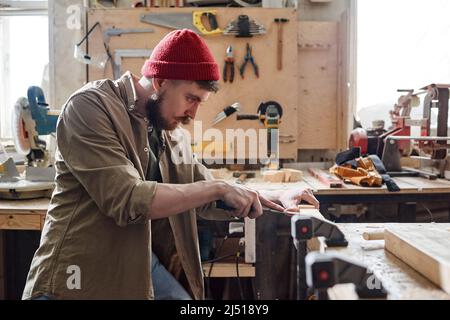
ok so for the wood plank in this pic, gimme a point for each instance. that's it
(228, 270)
(399, 279)
(249, 92)
(425, 248)
(20, 222)
(326, 178)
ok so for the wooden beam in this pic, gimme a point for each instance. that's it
(423, 247)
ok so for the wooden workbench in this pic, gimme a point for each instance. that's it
(413, 190)
(19, 215)
(30, 214)
(408, 185)
(23, 214)
(399, 279)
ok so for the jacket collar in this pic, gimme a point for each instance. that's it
(126, 84)
(128, 90)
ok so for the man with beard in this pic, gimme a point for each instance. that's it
(122, 218)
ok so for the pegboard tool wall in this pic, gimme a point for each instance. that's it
(273, 84)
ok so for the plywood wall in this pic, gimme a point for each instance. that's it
(319, 113)
(280, 86)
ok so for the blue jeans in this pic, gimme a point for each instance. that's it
(165, 286)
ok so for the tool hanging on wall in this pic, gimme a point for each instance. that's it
(228, 68)
(280, 22)
(249, 57)
(119, 54)
(98, 61)
(117, 32)
(227, 111)
(243, 27)
(269, 113)
(192, 21)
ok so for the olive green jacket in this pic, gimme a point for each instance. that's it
(96, 242)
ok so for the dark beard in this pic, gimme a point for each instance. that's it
(155, 117)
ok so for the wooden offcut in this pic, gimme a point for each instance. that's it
(283, 175)
(326, 178)
(373, 235)
(423, 247)
(292, 175)
(273, 176)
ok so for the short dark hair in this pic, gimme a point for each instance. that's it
(209, 85)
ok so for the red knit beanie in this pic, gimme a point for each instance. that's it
(181, 55)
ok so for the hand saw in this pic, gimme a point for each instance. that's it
(192, 21)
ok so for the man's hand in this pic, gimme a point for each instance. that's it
(247, 202)
(290, 199)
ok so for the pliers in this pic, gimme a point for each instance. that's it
(229, 65)
(249, 57)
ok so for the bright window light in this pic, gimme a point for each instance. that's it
(24, 56)
(402, 44)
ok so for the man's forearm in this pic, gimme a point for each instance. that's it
(172, 199)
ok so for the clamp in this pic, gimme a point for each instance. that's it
(324, 270)
(248, 57)
(229, 66)
(305, 227)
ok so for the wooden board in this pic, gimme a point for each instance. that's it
(400, 280)
(24, 206)
(272, 84)
(20, 222)
(318, 85)
(328, 179)
(425, 248)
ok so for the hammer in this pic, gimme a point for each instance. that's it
(243, 175)
(279, 22)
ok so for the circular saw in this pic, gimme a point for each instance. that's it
(31, 119)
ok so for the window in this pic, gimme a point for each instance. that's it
(402, 44)
(24, 53)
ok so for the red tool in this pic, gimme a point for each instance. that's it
(228, 69)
